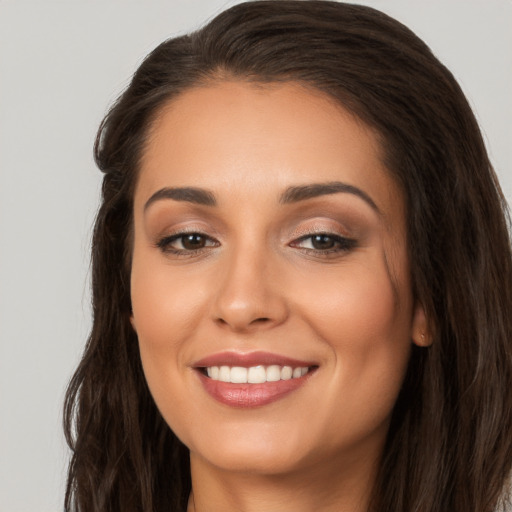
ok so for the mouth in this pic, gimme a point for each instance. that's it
(252, 380)
(255, 374)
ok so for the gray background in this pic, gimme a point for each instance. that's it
(61, 64)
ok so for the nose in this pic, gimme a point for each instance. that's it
(250, 295)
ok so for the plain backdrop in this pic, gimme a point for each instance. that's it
(61, 64)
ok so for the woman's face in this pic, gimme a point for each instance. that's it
(270, 282)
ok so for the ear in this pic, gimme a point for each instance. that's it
(420, 333)
(132, 321)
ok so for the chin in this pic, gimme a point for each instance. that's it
(268, 461)
(256, 450)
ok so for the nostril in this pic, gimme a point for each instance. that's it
(261, 320)
(255, 322)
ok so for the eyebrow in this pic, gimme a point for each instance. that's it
(291, 195)
(303, 192)
(188, 194)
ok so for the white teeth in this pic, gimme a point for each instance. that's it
(238, 375)
(273, 373)
(255, 374)
(225, 374)
(286, 373)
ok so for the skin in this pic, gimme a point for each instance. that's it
(260, 284)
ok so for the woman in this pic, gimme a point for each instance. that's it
(301, 279)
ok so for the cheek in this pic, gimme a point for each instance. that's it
(366, 324)
(166, 307)
(166, 304)
(359, 308)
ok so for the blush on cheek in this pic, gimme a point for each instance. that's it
(161, 314)
(358, 310)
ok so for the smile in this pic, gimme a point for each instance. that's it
(255, 374)
(252, 379)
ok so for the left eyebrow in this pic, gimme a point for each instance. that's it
(311, 190)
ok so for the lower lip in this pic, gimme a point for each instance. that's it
(250, 395)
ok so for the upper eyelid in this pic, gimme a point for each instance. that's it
(176, 233)
(296, 236)
(337, 233)
(298, 224)
(321, 231)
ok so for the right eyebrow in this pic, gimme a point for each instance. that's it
(189, 194)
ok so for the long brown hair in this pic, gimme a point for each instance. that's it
(449, 446)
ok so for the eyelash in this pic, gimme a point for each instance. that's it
(341, 244)
(165, 244)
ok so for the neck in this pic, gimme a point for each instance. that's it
(326, 489)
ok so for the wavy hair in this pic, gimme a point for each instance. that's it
(449, 445)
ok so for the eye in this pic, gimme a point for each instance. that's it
(183, 243)
(325, 243)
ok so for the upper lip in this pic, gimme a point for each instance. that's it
(248, 359)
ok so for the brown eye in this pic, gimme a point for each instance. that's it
(323, 242)
(193, 241)
(186, 243)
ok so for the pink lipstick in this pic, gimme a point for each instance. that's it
(252, 379)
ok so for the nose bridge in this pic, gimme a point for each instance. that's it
(247, 296)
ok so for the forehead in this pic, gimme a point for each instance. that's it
(236, 137)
